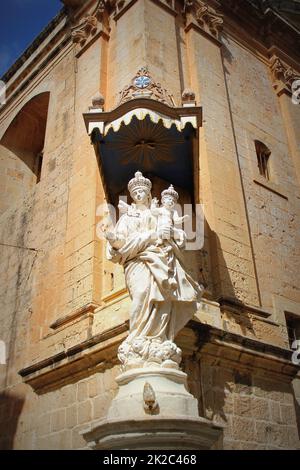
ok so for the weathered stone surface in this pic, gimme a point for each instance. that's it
(260, 409)
(58, 420)
(53, 264)
(243, 429)
(84, 412)
(71, 416)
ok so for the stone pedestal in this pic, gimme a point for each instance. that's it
(169, 388)
(153, 410)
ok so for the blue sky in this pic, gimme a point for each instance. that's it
(20, 22)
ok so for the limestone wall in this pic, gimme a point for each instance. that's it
(54, 420)
(258, 411)
(271, 205)
(33, 230)
(52, 271)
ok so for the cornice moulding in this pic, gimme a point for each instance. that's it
(159, 107)
(122, 7)
(250, 353)
(72, 3)
(32, 71)
(93, 355)
(167, 5)
(100, 352)
(73, 316)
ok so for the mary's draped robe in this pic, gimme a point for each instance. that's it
(164, 296)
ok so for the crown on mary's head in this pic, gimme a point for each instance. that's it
(139, 181)
(170, 192)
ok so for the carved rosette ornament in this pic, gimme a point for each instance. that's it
(143, 86)
(283, 75)
(89, 25)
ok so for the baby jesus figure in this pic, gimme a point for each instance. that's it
(167, 216)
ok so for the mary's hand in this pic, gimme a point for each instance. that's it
(110, 236)
(165, 232)
(114, 241)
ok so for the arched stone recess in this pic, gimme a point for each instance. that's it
(21, 150)
(146, 132)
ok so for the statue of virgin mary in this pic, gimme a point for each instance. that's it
(164, 296)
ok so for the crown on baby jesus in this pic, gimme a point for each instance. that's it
(139, 181)
(170, 192)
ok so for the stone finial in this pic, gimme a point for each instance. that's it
(188, 96)
(97, 102)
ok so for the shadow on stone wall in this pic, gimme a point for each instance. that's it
(252, 408)
(191, 366)
(226, 53)
(225, 292)
(10, 410)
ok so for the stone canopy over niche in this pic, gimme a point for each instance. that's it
(146, 145)
(146, 132)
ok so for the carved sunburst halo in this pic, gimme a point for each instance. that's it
(147, 146)
(144, 142)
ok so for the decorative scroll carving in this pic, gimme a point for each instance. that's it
(283, 75)
(207, 17)
(88, 26)
(143, 86)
